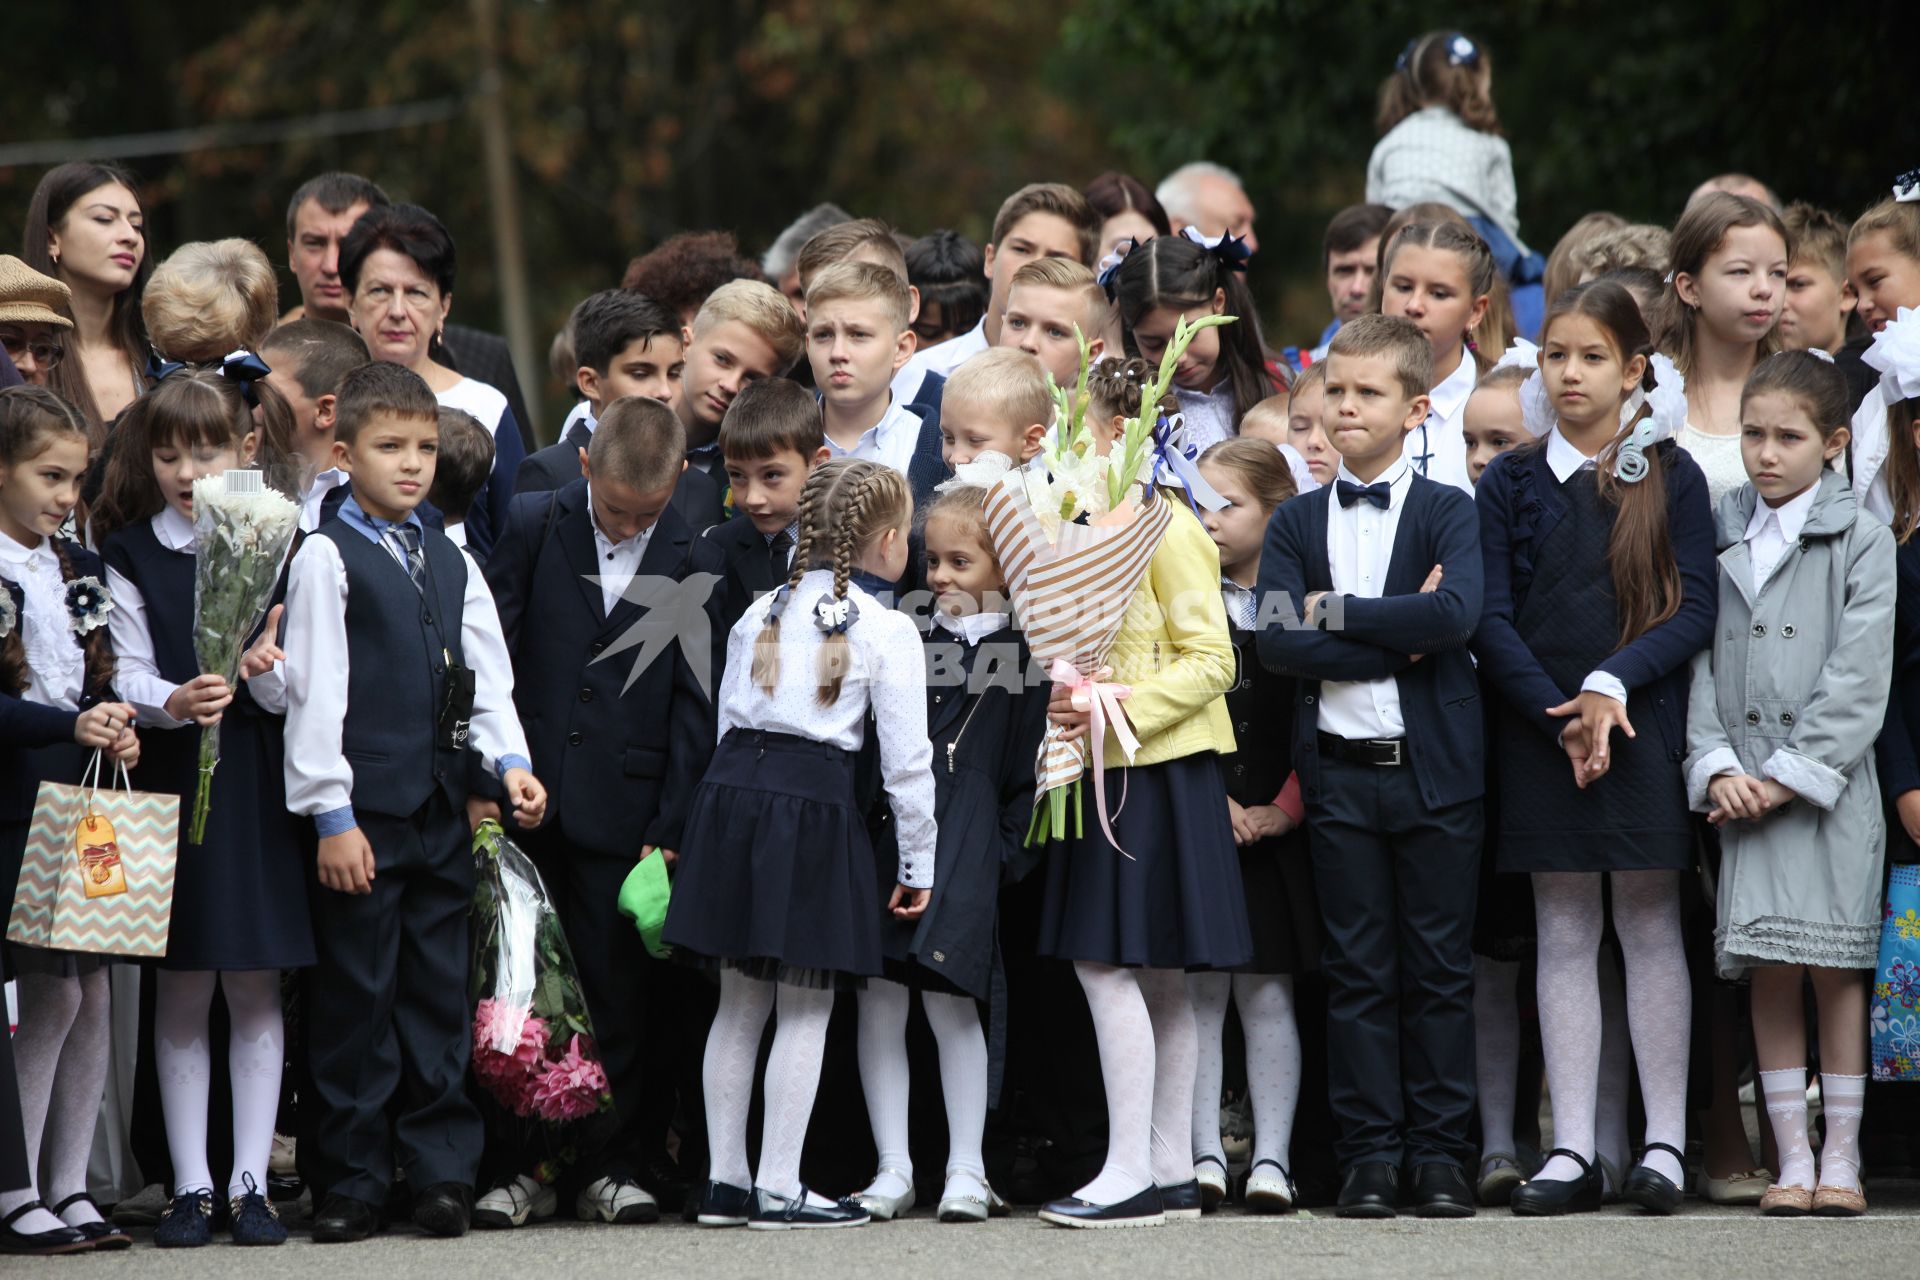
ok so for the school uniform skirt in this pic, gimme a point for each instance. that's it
(776, 871)
(1173, 899)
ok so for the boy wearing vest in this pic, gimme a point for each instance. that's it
(386, 625)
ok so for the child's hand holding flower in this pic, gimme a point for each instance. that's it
(200, 700)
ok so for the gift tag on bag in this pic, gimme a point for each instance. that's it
(101, 872)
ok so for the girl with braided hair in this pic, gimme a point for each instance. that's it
(775, 886)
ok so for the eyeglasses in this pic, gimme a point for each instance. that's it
(45, 354)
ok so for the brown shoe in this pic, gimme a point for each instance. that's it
(1786, 1202)
(1839, 1202)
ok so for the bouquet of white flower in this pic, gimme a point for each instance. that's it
(241, 532)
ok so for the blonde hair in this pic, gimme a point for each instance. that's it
(1818, 238)
(1638, 244)
(862, 282)
(1268, 478)
(1698, 235)
(1069, 276)
(761, 308)
(1900, 221)
(209, 298)
(1057, 199)
(1005, 382)
(846, 506)
(1563, 271)
(1273, 411)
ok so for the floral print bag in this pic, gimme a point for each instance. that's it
(1896, 980)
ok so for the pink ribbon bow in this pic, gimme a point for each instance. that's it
(1101, 699)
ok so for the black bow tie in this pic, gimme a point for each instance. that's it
(1380, 494)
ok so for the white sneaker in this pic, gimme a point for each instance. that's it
(514, 1204)
(620, 1200)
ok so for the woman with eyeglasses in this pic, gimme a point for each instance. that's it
(33, 319)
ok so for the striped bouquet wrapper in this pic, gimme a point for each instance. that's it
(1072, 590)
(97, 874)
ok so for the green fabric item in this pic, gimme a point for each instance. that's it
(643, 898)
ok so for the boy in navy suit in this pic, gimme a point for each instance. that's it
(574, 573)
(1385, 567)
(386, 625)
(772, 439)
(745, 332)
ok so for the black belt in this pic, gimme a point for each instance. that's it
(1377, 751)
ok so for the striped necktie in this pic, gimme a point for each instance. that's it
(412, 554)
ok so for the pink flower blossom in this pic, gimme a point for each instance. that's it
(509, 1072)
(571, 1088)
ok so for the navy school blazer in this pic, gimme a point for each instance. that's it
(1439, 695)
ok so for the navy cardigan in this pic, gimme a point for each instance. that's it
(1439, 696)
(1519, 504)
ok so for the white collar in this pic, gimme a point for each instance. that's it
(456, 533)
(1391, 477)
(972, 627)
(607, 545)
(1451, 392)
(891, 423)
(174, 531)
(582, 412)
(1791, 514)
(1563, 458)
(14, 554)
(326, 481)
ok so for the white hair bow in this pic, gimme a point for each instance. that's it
(1536, 411)
(1896, 354)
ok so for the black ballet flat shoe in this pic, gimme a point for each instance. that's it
(102, 1235)
(780, 1213)
(39, 1244)
(1441, 1191)
(725, 1205)
(1654, 1192)
(1372, 1190)
(1143, 1210)
(1182, 1199)
(444, 1209)
(344, 1220)
(1550, 1198)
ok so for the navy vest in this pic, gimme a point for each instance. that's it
(399, 642)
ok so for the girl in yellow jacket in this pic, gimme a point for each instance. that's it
(1134, 922)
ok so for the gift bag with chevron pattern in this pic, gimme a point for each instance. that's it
(98, 872)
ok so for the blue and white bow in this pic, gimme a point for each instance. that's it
(1176, 465)
(245, 368)
(1666, 412)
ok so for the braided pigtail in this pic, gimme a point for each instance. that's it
(831, 668)
(766, 646)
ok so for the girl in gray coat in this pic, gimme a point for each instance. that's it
(1780, 730)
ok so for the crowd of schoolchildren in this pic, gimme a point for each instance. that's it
(1541, 652)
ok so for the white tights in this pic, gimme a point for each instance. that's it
(61, 1056)
(963, 1082)
(1144, 1024)
(1265, 1001)
(1646, 918)
(793, 1077)
(256, 1048)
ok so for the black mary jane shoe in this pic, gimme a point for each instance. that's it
(1441, 1191)
(1372, 1190)
(787, 1213)
(102, 1235)
(1653, 1191)
(1550, 1198)
(1143, 1210)
(39, 1244)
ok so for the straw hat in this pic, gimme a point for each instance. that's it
(27, 297)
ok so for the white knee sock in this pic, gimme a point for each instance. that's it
(1616, 1067)
(1842, 1100)
(48, 1006)
(733, 1050)
(885, 1080)
(963, 1080)
(184, 1066)
(1209, 992)
(1568, 913)
(1496, 1035)
(256, 1051)
(78, 1086)
(1646, 918)
(1265, 1002)
(1784, 1094)
(793, 1077)
(1175, 1051)
(1125, 1037)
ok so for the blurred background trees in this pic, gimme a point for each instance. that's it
(631, 119)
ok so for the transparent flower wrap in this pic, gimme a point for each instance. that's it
(533, 1045)
(242, 529)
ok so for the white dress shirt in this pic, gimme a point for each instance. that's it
(323, 484)
(1435, 155)
(942, 359)
(886, 672)
(1359, 553)
(582, 412)
(319, 779)
(971, 628)
(1442, 437)
(1564, 460)
(1773, 530)
(618, 561)
(457, 534)
(889, 441)
(1243, 603)
(56, 664)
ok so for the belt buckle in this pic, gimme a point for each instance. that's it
(1396, 744)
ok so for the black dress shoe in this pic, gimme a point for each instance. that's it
(1372, 1190)
(1543, 1198)
(1143, 1210)
(1653, 1191)
(725, 1205)
(39, 1244)
(1181, 1200)
(1441, 1191)
(784, 1213)
(444, 1209)
(345, 1220)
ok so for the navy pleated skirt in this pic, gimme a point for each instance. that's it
(776, 870)
(1177, 902)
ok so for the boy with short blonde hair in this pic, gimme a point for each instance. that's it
(208, 298)
(996, 401)
(857, 339)
(743, 332)
(1050, 304)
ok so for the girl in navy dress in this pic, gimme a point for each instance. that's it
(775, 882)
(56, 670)
(1282, 913)
(1600, 589)
(240, 902)
(986, 726)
